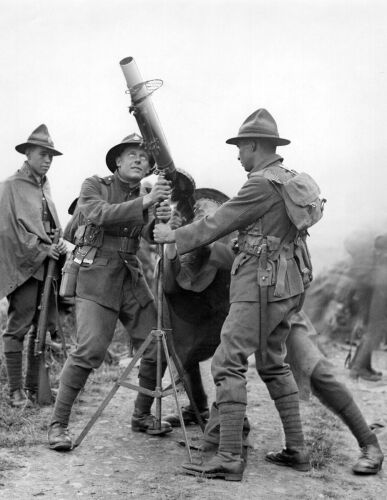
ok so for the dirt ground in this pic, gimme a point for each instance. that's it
(114, 463)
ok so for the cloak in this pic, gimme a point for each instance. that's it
(24, 243)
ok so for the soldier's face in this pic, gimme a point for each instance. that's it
(133, 164)
(246, 154)
(39, 159)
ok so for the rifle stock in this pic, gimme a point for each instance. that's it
(44, 387)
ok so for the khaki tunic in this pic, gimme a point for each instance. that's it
(110, 203)
(257, 199)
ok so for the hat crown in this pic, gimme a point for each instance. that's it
(133, 139)
(41, 135)
(259, 122)
(259, 125)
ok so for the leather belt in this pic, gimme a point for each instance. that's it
(120, 243)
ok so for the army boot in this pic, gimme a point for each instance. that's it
(18, 399)
(58, 437)
(146, 422)
(227, 463)
(294, 454)
(13, 363)
(296, 459)
(188, 415)
(370, 460)
(224, 465)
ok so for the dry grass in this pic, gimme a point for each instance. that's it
(25, 427)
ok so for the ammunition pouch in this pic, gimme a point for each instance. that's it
(277, 258)
(89, 235)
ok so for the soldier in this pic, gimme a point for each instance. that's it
(199, 277)
(27, 220)
(110, 284)
(258, 213)
(314, 373)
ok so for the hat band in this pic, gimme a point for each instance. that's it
(258, 131)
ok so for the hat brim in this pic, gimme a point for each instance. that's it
(72, 206)
(21, 148)
(279, 141)
(115, 151)
(211, 194)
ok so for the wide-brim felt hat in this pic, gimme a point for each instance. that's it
(210, 194)
(203, 265)
(132, 139)
(259, 125)
(39, 137)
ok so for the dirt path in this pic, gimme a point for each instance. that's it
(113, 462)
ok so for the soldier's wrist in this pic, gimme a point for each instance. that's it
(147, 201)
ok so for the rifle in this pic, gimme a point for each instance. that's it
(44, 387)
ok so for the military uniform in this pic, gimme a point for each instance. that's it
(112, 286)
(257, 211)
(27, 219)
(266, 287)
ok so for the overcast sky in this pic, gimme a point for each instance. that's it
(318, 66)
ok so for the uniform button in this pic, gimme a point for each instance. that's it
(125, 261)
(125, 229)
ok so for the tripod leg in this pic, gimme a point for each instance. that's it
(112, 392)
(158, 381)
(182, 424)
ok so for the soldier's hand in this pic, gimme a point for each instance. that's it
(176, 220)
(162, 233)
(53, 252)
(161, 190)
(62, 247)
(163, 211)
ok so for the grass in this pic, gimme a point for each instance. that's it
(26, 427)
(323, 432)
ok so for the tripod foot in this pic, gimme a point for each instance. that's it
(149, 424)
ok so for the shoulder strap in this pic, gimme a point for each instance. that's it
(105, 182)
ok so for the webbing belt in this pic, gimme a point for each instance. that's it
(120, 243)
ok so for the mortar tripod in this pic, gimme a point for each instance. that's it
(160, 335)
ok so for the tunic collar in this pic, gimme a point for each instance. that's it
(125, 186)
(274, 158)
(27, 171)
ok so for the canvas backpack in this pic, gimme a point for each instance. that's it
(301, 195)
